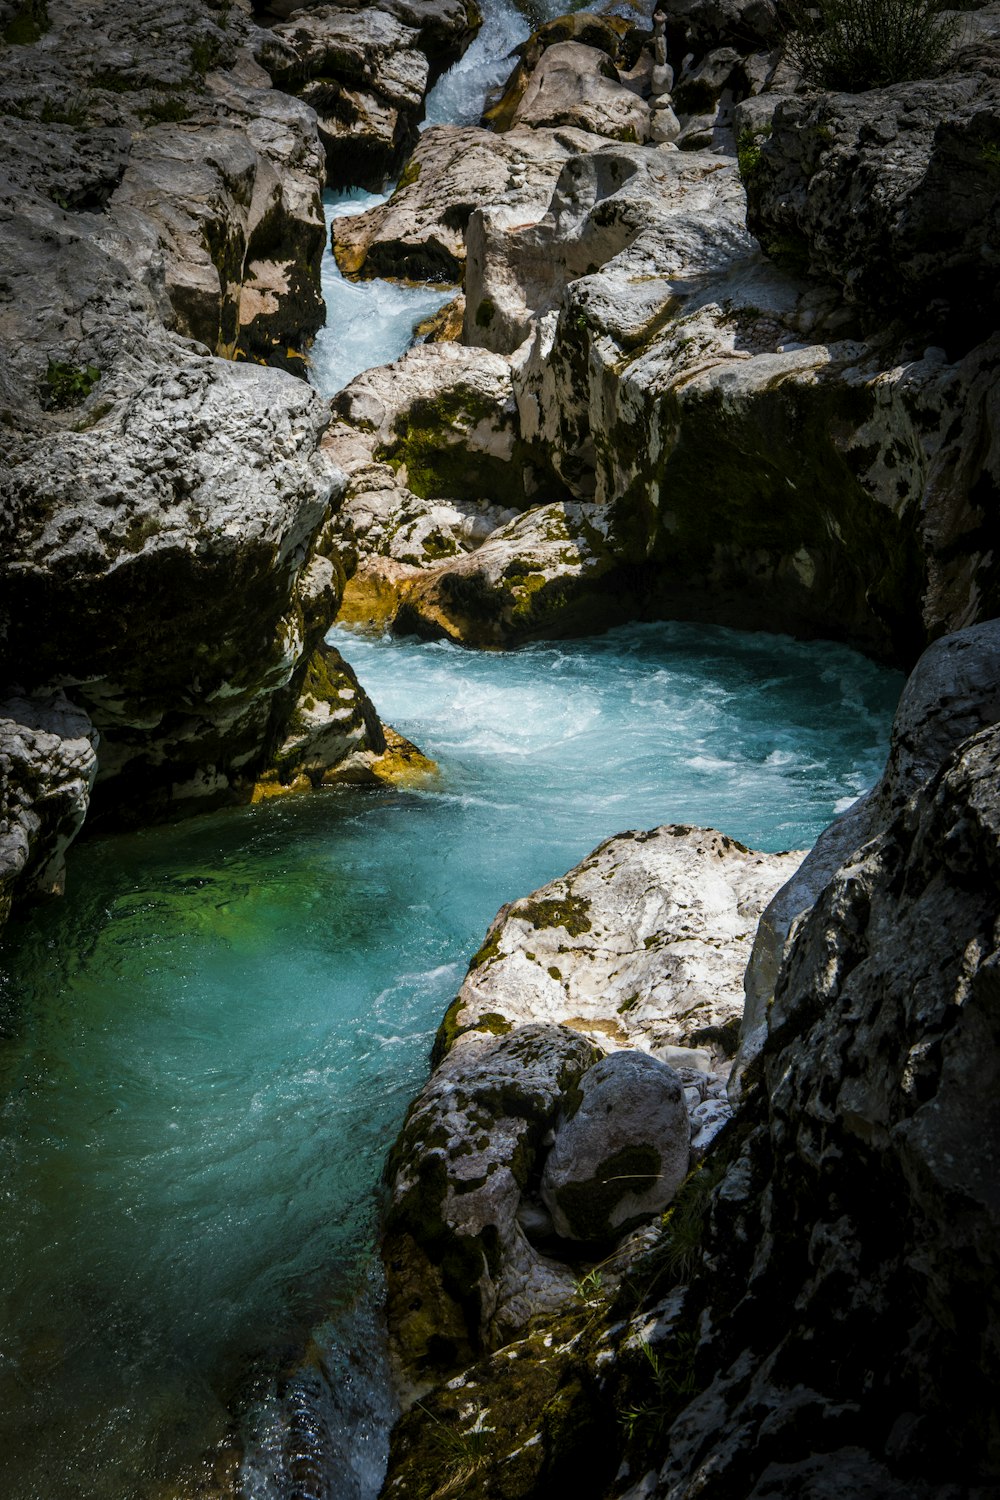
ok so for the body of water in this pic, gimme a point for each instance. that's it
(212, 1039)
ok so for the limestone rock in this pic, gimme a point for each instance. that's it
(538, 574)
(669, 382)
(578, 85)
(608, 34)
(621, 1151)
(640, 948)
(420, 232)
(861, 1214)
(365, 74)
(48, 761)
(953, 692)
(461, 1272)
(143, 481)
(217, 176)
(891, 194)
(643, 945)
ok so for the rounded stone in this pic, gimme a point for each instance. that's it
(623, 1153)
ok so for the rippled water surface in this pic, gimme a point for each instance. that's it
(212, 1039)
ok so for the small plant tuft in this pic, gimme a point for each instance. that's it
(848, 46)
(669, 1383)
(65, 385)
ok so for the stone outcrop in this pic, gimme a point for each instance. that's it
(48, 761)
(420, 232)
(760, 458)
(431, 523)
(952, 693)
(814, 1315)
(611, 35)
(165, 554)
(461, 1272)
(577, 85)
(767, 466)
(862, 1203)
(517, 1151)
(366, 71)
(892, 194)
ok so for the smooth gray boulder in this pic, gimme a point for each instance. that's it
(578, 85)
(621, 1150)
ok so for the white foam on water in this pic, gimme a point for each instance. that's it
(368, 323)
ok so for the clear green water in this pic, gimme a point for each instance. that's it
(210, 1042)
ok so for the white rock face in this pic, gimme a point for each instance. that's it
(578, 85)
(621, 1154)
(637, 953)
(643, 945)
(420, 232)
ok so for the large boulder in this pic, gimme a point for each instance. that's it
(517, 1144)
(578, 85)
(611, 35)
(767, 466)
(953, 692)
(848, 1291)
(366, 76)
(892, 194)
(461, 1272)
(420, 232)
(168, 211)
(538, 575)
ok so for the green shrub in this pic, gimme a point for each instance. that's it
(65, 385)
(852, 45)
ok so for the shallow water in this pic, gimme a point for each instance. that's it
(213, 1038)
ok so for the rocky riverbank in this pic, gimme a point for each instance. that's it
(815, 1269)
(796, 429)
(167, 568)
